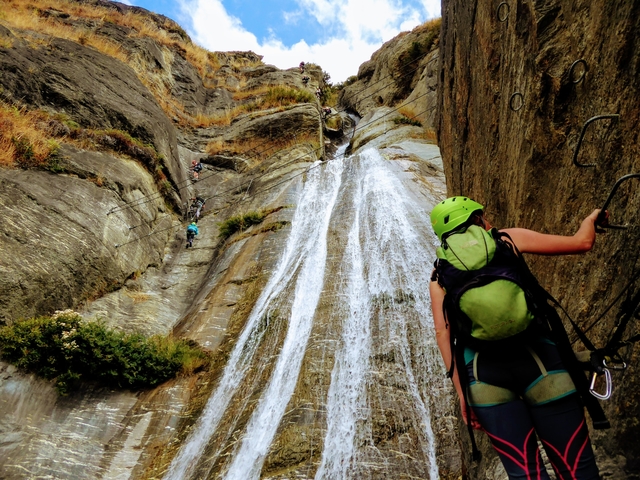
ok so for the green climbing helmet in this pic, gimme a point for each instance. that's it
(193, 223)
(451, 213)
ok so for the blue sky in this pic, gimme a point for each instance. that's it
(338, 35)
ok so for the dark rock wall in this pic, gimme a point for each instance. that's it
(511, 110)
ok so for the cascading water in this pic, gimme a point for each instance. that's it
(383, 313)
(301, 266)
(385, 255)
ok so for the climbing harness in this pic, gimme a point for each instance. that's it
(614, 117)
(581, 75)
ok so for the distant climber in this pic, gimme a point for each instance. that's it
(197, 204)
(326, 111)
(301, 67)
(196, 167)
(318, 93)
(305, 79)
(192, 231)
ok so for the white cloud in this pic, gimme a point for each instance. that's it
(358, 29)
(432, 7)
(215, 29)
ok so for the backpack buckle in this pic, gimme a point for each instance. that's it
(608, 385)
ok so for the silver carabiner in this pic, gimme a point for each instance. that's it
(619, 365)
(608, 385)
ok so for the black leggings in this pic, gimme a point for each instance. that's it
(561, 427)
(515, 424)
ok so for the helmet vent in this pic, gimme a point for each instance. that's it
(446, 219)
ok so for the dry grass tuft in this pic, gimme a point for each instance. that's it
(408, 112)
(138, 297)
(430, 25)
(259, 148)
(221, 119)
(428, 134)
(255, 92)
(23, 142)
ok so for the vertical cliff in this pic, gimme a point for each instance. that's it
(518, 82)
(401, 75)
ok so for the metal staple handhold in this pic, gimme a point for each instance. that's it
(613, 116)
(601, 215)
(573, 66)
(511, 101)
(503, 18)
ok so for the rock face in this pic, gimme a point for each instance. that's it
(518, 84)
(59, 237)
(402, 73)
(63, 77)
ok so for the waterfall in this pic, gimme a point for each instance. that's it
(248, 459)
(385, 255)
(303, 259)
(383, 313)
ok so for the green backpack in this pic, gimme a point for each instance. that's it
(490, 301)
(485, 288)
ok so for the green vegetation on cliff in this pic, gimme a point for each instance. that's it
(68, 350)
(240, 223)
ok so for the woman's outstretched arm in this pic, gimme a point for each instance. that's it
(529, 241)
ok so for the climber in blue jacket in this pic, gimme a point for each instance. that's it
(192, 231)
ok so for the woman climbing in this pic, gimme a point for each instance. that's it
(503, 358)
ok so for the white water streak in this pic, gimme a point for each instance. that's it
(346, 402)
(318, 195)
(386, 255)
(248, 460)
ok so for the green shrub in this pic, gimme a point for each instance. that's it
(68, 350)
(402, 120)
(239, 223)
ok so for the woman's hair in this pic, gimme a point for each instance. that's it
(477, 218)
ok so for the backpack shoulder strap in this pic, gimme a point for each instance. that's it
(546, 303)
